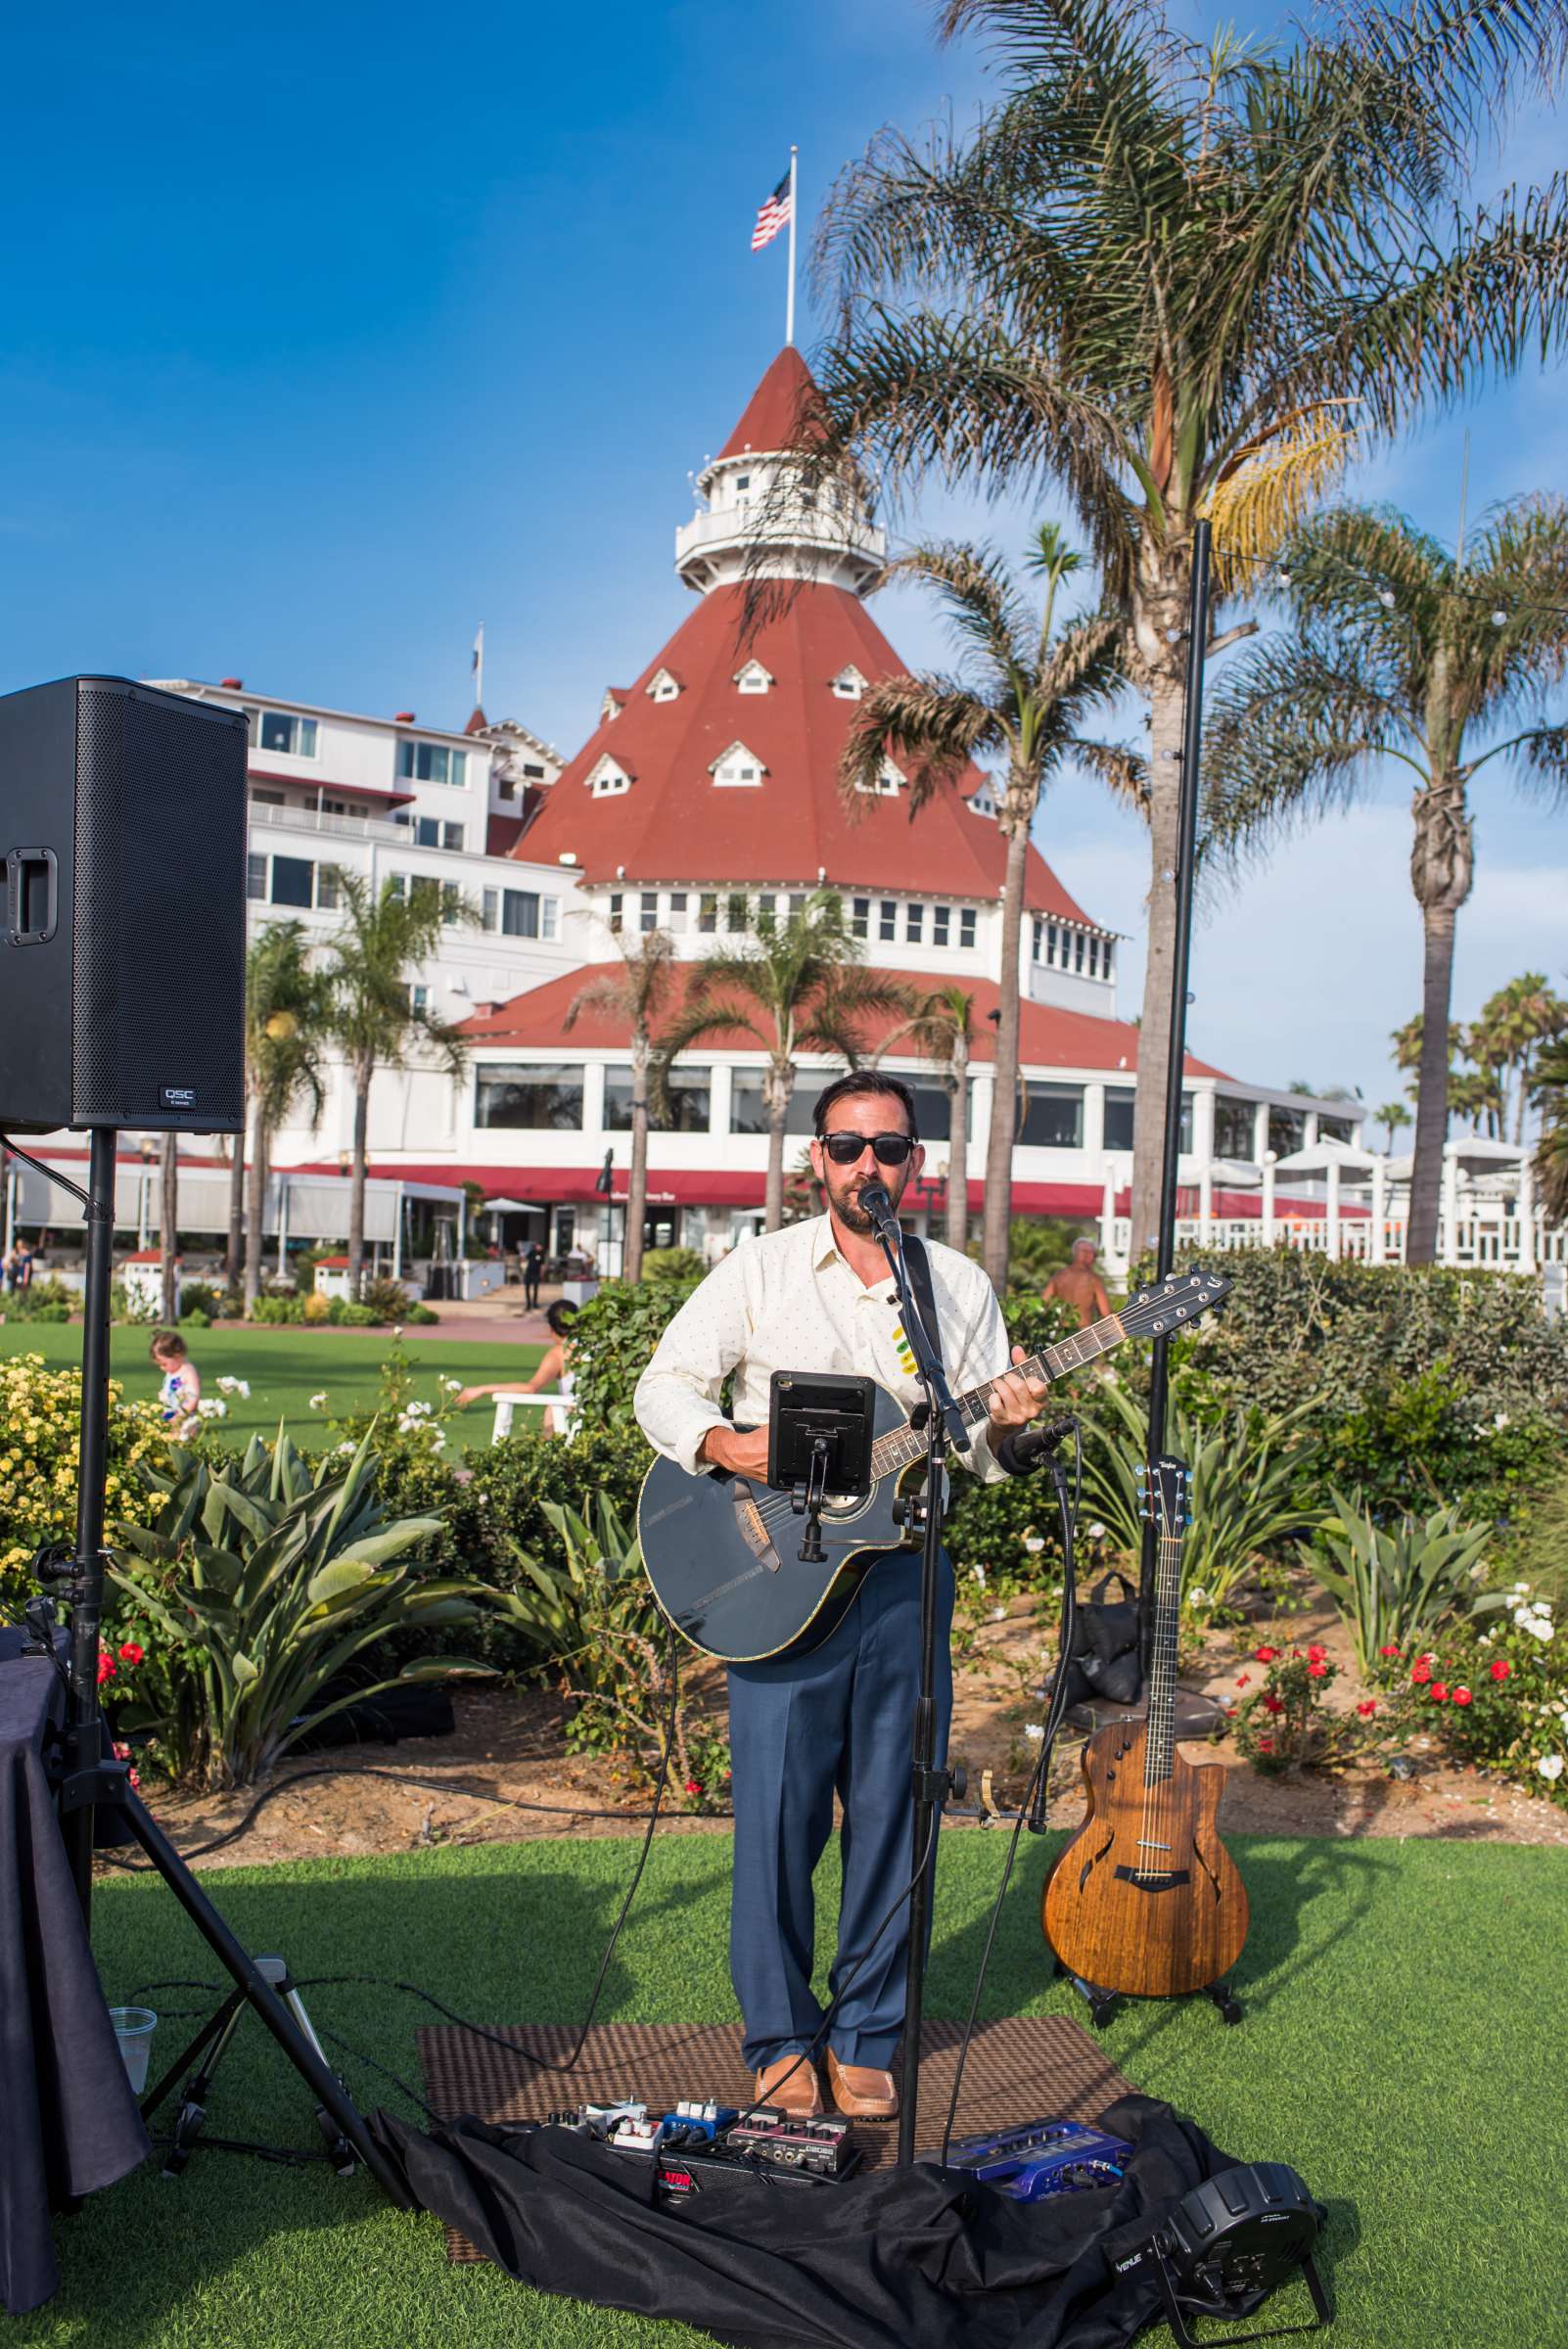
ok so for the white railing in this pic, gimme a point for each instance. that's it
(321, 819)
(1486, 1241)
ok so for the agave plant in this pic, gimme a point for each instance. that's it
(1394, 1584)
(270, 1577)
(1246, 1470)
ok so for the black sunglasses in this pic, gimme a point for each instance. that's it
(892, 1149)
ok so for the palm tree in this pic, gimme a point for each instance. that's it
(1513, 1023)
(1026, 694)
(1167, 279)
(286, 1018)
(375, 1021)
(636, 993)
(942, 1029)
(1549, 1087)
(1390, 1116)
(794, 987)
(1402, 651)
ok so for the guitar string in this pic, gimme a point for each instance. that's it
(1157, 1786)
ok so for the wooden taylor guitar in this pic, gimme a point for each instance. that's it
(1145, 1899)
(722, 1551)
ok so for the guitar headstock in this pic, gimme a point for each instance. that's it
(1164, 1496)
(1169, 1305)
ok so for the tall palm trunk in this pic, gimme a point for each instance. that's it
(169, 1200)
(234, 1254)
(364, 1077)
(957, 1232)
(256, 1215)
(778, 1083)
(1167, 690)
(637, 1180)
(1432, 1094)
(1004, 1087)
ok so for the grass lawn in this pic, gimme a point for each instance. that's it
(1406, 2012)
(284, 1367)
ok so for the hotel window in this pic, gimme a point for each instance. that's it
(617, 902)
(295, 737)
(648, 911)
(518, 912)
(748, 1114)
(1287, 1130)
(914, 925)
(268, 798)
(547, 1095)
(432, 762)
(1093, 958)
(941, 916)
(329, 877)
(255, 876)
(859, 917)
(743, 480)
(549, 909)
(419, 999)
(738, 769)
(1232, 1126)
(1053, 1119)
(753, 678)
(294, 881)
(677, 911)
(708, 912)
(886, 919)
(1106, 965)
(1038, 941)
(736, 917)
(431, 832)
(691, 1098)
(797, 907)
(1118, 1104)
(533, 774)
(966, 925)
(1078, 944)
(506, 787)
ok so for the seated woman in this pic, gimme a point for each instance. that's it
(555, 1369)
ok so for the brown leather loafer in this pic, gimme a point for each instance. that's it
(791, 2084)
(861, 2093)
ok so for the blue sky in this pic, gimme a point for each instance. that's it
(331, 332)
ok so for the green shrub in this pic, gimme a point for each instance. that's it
(419, 1316)
(200, 1297)
(196, 1320)
(613, 1338)
(1395, 1584)
(274, 1310)
(48, 1300)
(268, 1578)
(388, 1299)
(1284, 1724)
(40, 1409)
(672, 1264)
(359, 1316)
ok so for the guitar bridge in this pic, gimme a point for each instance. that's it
(1153, 1879)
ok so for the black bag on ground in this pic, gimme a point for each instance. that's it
(1104, 1660)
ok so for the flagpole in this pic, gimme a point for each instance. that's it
(789, 304)
(477, 666)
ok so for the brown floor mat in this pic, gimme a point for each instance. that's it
(1018, 2070)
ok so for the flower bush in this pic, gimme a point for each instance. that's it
(40, 1410)
(1494, 1694)
(1284, 1724)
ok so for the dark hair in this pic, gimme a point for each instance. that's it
(857, 1083)
(560, 1316)
(167, 1341)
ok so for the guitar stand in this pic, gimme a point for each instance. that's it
(1102, 2003)
(206, 2052)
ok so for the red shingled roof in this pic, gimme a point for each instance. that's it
(675, 824)
(1049, 1038)
(774, 411)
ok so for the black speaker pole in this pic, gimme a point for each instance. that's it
(1182, 955)
(82, 1732)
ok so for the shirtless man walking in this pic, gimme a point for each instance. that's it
(1079, 1285)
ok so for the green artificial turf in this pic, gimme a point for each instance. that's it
(284, 1367)
(1407, 2012)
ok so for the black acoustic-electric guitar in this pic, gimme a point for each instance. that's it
(720, 1551)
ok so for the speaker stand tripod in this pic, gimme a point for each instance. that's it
(85, 1780)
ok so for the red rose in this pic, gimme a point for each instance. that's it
(1388, 1651)
(1420, 1671)
(1245, 1677)
(1440, 1693)
(1264, 1655)
(1366, 1709)
(1265, 1745)
(1316, 1672)
(1461, 1696)
(130, 1652)
(106, 1668)
(1273, 1704)
(1500, 1670)
(693, 1786)
(1316, 1655)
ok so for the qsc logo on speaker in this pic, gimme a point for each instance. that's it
(176, 1096)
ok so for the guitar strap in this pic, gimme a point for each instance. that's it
(919, 1264)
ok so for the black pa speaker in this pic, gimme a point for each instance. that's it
(123, 823)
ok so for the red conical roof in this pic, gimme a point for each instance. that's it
(674, 824)
(774, 411)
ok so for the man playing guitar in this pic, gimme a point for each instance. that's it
(817, 1296)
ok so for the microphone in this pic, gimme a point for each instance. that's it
(1019, 1452)
(878, 1204)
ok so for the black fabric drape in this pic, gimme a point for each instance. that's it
(900, 2259)
(68, 2121)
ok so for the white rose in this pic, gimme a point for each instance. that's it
(318, 1403)
(1550, 1766)
(1033, 1731)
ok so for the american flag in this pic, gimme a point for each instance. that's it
(774, 215)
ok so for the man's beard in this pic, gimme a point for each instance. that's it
(845, 1203)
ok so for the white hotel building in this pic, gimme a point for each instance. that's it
(709, 781)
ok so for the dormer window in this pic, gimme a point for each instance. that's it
(611, 707)
(663, 686)
(849, 684)
(890, 781)
(606, 780)
(753, 678)
(981, 802)
(737, 768)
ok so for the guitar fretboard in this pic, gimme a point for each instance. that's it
(1159, 1747)
(902, 1446)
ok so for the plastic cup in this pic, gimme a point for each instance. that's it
(133, 2029)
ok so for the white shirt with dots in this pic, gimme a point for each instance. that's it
(789, 1301)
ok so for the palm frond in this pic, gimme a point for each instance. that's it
(931, 726)
(982, 607)
(1259, 502)
(1289, 733)
(1123, 771)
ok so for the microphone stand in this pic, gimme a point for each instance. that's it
(932, 1780)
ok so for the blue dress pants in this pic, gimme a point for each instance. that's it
(801, 1729)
